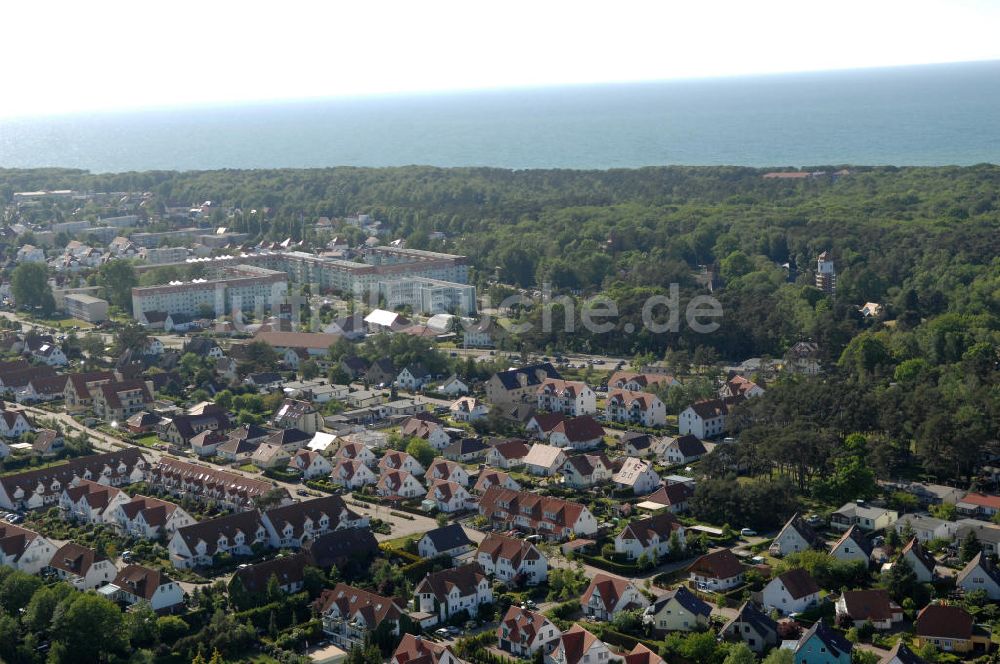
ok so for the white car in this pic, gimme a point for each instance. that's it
(748, 532)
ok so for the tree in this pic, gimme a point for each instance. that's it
(171, 628)
(309, 369)
(131, 335)
(900, 580)
(91, 627)
(969, 548)
(140, 624)
(17, 590)
(259, 356)
(38, 613)
(779, 656)
(422, 451)
(740, 653)
(117, 279)
(29, 284)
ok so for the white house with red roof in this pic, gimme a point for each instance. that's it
(608, 595)
(980, 505)
(579, 646)
(443, 469)
(311, 464)
(570, 397)
(717, 571)
(511, 559)
(523, 633)
(353, 474)
(397, 460)
(553, 518)
(653, 536)
(349, 614)
(359, 451)
(91, 502)
(448, 496)
(489, 477)
(642, 408)
(399, 484)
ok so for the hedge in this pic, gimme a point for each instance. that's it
(624, 640)
(321, 485)
(605, 564)
(260, 616)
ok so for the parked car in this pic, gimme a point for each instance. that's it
(443, 632)
(748, 532)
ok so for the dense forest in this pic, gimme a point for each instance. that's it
(920, 381)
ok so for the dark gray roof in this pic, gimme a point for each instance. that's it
(685, 598)
(510, 381)
(450, 537)
(751, 615)
(690, 445)
(465, 446)
(834, 642)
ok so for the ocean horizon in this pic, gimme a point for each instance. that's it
(905, 116)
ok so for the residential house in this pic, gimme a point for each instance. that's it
(637, 475)
(512, 560)
(550, 517)
(579, 646)
(349, 614)
(578, 433)
(290, 526)
(81, 567)
(297, 414)
(641, 408)
(652, 537)
(265, 381)
(544, 460)
(979, 505)
(864, 516)
(672, 497)
(24, 549)
(142, 422)
(448, 496)
(468, 409)
(430, 430)
(707, 418)
(987, 534)
(442, 469)
(740, 386)
(488, 478)
(795, 536)
(381, 372)
(117, 401)
(682, 449)
(926, 528)
(582, 471)
(399, 484)
(637, 444)
(608, 595)
(920, 561)
(268, 456)
(290, 440)
(853, 546)
(753, 627)
(450, 540)
(791, 592)
(80, 387)
(640, 654)
(417, 650)
(453, 591)
(41, 487)
(507, 455)
(287, 570)
(311, 464)
(352, 474)
(519, 385)
(857, 607)
(197, 545)
(149, 518)
(180, 429)
(454, 386)
(570, 397)
(231, 490)
(204, 347)
(90, 502)
(136, 583)
(397, 460)
(346, 549)
(413, 377)
(358, 451)
(901, 654)
(717, 571)
(206, 443)
(524, 633)
(50, 354)
(948, 628)
(821, 645)
(641, 382)
(679, 610)
(13, 423)
(803, 358)
(980, 573)
(467, 450)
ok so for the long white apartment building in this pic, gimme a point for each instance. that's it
(429, 296)
(381, 264)
(244, 287)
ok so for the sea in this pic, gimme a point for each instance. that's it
(920, 115)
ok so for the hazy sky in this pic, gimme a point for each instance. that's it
(67, 56)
